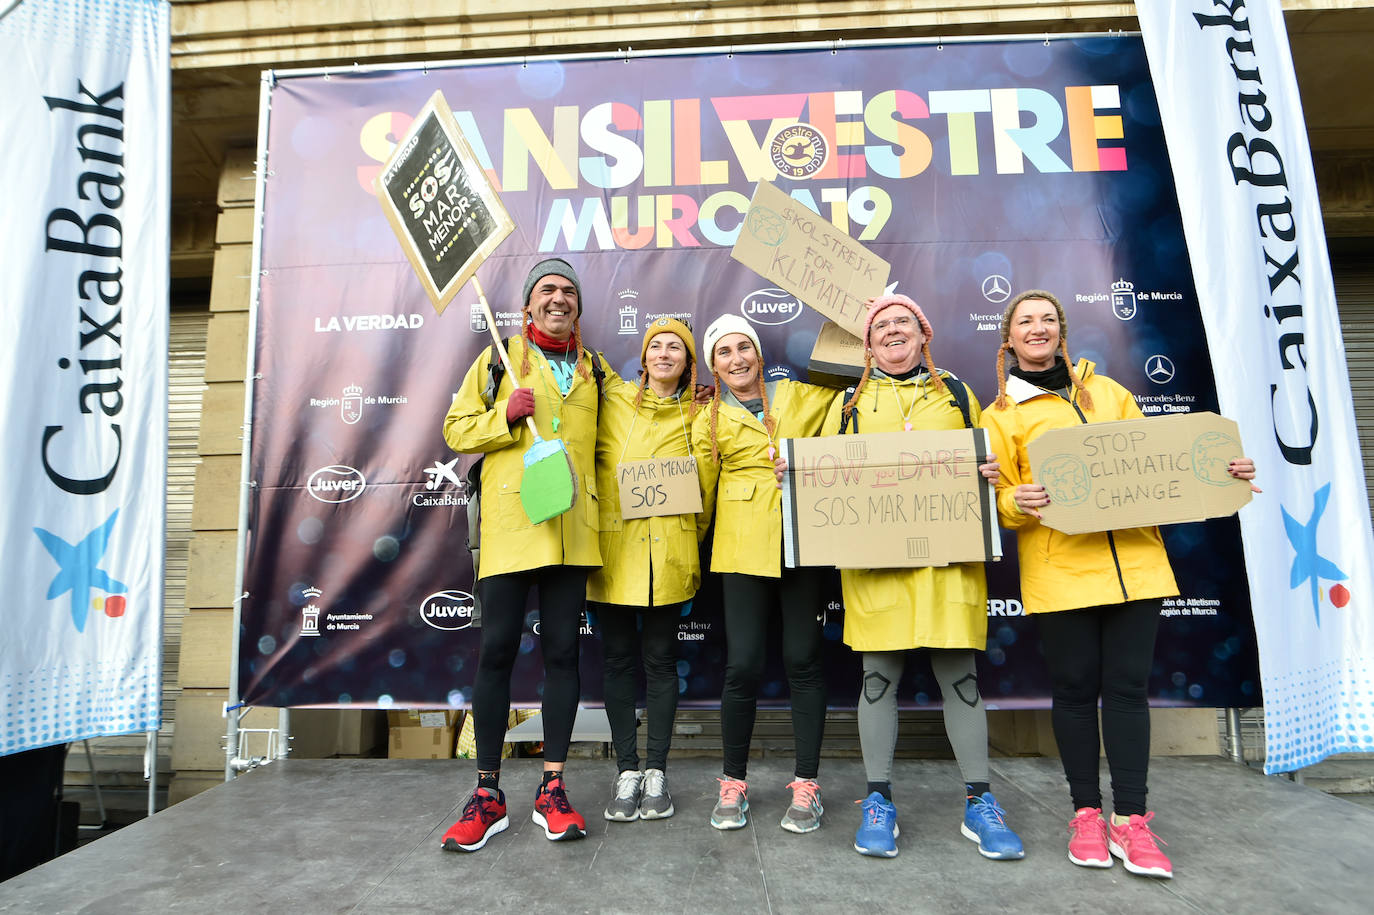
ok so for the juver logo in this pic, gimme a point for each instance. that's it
(770, 306)
(449, 610)
(336, 483)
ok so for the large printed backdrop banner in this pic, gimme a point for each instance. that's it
(83, 295)
(975, 169)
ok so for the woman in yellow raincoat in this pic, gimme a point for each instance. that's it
(650, 567)
(735, 442)
(1096, 597)
(889, 612)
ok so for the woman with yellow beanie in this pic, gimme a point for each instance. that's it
(735, 442)
(650, 568)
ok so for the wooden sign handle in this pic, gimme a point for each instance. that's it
(500, 349)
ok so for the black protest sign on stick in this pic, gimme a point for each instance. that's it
(440, 203)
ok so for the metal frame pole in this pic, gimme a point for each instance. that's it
(150, 771)
(246, 485)
(1235, 743)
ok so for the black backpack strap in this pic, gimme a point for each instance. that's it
(852, 414)
(496, 370)
(959, 397)
(599, 373)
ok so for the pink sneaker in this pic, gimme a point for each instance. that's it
(1088, 839)
(1134, 844)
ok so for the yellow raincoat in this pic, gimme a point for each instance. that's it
(510, 543)
(893, 609)
(741, 487)
(1068, 571)
(659, 427)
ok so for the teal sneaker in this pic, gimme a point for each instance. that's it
(985, 823)
(877, 833)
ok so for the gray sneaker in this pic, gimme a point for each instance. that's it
(657, 803)
(624, 807)
(804, 815)
(732, 809)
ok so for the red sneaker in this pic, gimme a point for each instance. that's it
(484, 815)
(1135, 845)
(553, 812)
(1088, 839)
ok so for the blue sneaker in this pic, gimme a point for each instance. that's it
(877, 834)
(985, 823)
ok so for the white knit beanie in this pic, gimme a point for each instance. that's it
(724, 326)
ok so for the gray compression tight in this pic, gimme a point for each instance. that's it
(966, 720)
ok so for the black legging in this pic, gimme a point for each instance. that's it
(1103, 652)
(621, 639)
(749, 601)
(562, 593)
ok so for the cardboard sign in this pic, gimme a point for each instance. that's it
(888, 500)
(787, 243)
(658, 486)
(837, 359)
(1138, 472)
(440, 203)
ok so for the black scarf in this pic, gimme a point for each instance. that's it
(1054, 378)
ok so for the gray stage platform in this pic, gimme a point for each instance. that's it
(363, 836)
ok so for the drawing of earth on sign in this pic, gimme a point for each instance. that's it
(1065, 478)
(1212, 451)
(767, 226)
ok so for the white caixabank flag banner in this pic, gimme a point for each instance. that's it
(83, 364)
(1237, 142)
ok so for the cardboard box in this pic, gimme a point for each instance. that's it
(788, 244)
(423, 718)
(1138, 472)
(421, 743)
(888, 500)
(837, 359)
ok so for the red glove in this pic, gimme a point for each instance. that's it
(520, 405)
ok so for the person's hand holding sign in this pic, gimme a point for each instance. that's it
(520, 405)
(1030, 497)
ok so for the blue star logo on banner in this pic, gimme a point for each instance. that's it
(1309, 565)
(79, 568)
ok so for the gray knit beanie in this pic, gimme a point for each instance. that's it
(553, 266)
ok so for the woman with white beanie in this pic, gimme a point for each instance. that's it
(735, 442)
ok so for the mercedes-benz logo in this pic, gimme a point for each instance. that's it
(1159, 369)
(996, 289)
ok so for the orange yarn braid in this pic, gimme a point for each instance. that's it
(863, 380)
(577, 349)
(715, 412)
(692, 389)
(930, 366)
(1083, 396)
(639, 390)
(1001, 402)
(768, 422)
(526, 323)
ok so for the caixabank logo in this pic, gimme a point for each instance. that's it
(1310, 567)
(79, 572)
